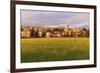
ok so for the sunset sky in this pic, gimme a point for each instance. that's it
(29, 17)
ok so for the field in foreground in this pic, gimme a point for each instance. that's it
(54, 49)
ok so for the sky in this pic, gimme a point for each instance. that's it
(54, 18)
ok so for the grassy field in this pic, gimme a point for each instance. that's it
(54, 49)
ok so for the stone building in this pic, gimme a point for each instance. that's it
(26, 31)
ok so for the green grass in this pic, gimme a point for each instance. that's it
(54, 49)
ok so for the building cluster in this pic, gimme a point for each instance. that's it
(42, 31)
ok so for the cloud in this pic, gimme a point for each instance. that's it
(79, 18)
(54, 18)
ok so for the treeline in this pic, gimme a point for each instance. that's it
(39, 32)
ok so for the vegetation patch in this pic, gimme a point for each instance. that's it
(54, 49)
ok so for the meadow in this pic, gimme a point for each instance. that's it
(54, 49)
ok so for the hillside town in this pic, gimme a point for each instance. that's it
(49, 32)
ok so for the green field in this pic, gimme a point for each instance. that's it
(54, 49)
